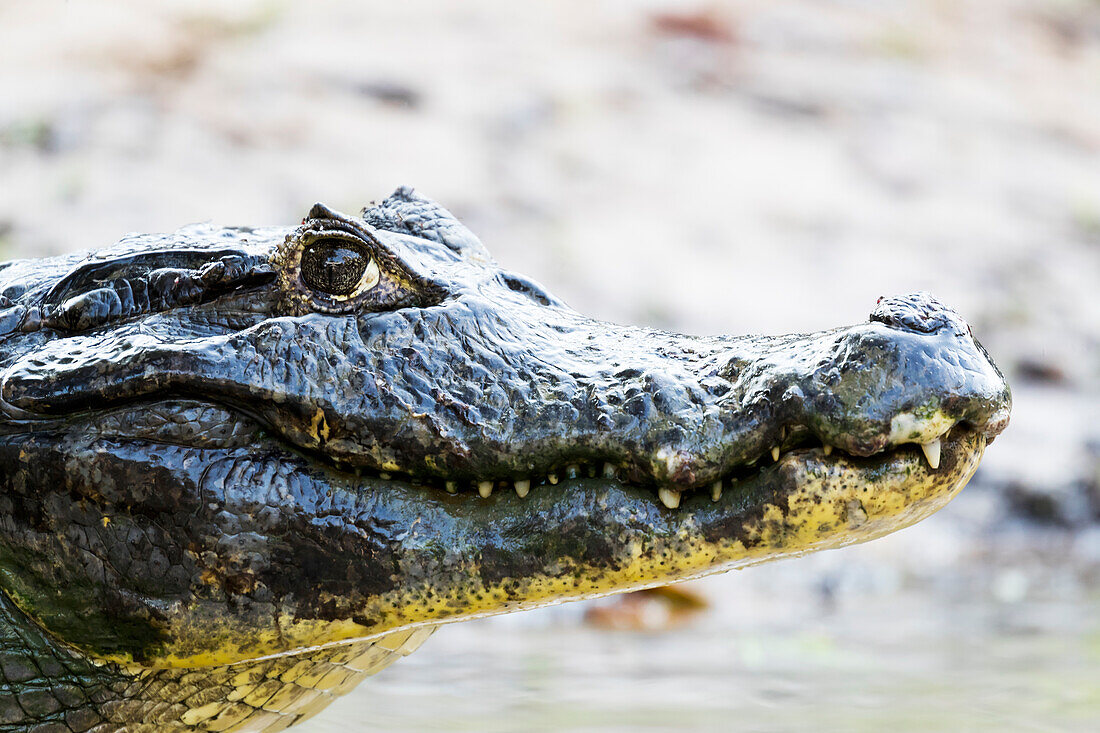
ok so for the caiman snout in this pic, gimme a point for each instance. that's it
(909, 375)
(983, 399)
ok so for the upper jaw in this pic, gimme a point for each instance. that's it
(872, 388)
(907, 376)
(771, 405)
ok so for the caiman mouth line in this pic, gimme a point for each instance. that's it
(798, 442)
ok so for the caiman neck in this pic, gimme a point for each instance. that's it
(44, 686)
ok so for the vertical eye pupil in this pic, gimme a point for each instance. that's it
(334, 266)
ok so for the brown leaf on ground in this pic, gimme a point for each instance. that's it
(654, 609)
(705, 25)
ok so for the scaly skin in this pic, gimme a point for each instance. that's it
(235, 479)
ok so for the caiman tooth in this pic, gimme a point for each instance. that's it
(932, 452)
(552, 478)
(827, 448)
(451, 487)
(716, 490)
(775, 452)
(485, 488)
(609, 471)
(572, 471)
(669, 497)
(522, 487)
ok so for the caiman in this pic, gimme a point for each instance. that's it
(241, 469)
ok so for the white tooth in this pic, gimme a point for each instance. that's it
(385, 476)
(522, 487)
(609, 471)
(669, 497)
(451, 487)
(716, 490)
(775, 453)
(485, 488)
(783, 432)
(828, 449)
(552, 478)
(932, 452)
(572, 471)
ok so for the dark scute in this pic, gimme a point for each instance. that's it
(918, 312)
(11, 318)
(531, 289)
(90, 310)
(13, 291)
(408, 212)
(142, 265)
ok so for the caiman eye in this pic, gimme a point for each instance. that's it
(336, 264)
(338, 267)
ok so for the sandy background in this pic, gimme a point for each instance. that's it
(719, 167)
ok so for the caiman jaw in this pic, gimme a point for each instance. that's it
(797, 446)
(434, 441)
(386, 554)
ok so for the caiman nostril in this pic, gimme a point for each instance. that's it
(918, 312)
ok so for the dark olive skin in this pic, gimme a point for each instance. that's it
(225, 452)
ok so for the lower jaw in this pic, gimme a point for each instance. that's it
(449, 557)
(588, 538)
(833, 501)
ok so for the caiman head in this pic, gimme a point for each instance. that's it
(226, 443)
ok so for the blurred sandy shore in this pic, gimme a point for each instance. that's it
(718, 167)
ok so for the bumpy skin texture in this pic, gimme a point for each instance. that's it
(47, 687)
(208, 467)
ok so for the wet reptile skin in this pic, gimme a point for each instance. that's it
(47, 687)
(242, 469)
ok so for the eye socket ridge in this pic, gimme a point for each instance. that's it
(334, 264)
